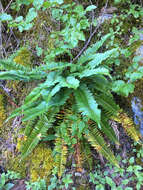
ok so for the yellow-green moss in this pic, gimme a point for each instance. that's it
(38, 164)
(2, 110)
(41, 163)
(16, 165)
(23, 57)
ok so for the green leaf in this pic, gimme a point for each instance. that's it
(32, 14)
(88, 54)
(122, 88)
(99, 57)
(131, 160)
(90, 8)
(39, 51)
(98, 71)
(38, 3)
(35, 111)
(5, 17)
(70, 82)
(110, 182)
(87, 104)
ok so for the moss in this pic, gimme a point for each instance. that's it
(38, 164)
(41, 163)
(16, 165)
(2, 110)
(23, 57)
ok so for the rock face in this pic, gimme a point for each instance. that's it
(137, 109)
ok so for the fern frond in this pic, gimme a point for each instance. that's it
(86, 154)
(8, 64)
(99, 57)
(61, 155)
(97, 141)
(35, 135)
(108, 130)
(78, 157)
(91, 72)
(22, 75)
(128, 125)
(87, 104)
(88, 54)
(107, 102)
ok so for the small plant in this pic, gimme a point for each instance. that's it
(128, 176)
(5, 178)
(38, 185)
(62, 183)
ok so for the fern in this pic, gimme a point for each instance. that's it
(96, 140)
(87, 104)
(22, 75)
(35, 134)
(8, 64)
(128, 125)
(61, 155)
(88, 54)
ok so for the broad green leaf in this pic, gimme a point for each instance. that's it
(87, 104)
(32, 14)
(122, 88)
(38, 3)
(5, 17)
(70, 82)
(88, 54)
(34, 94)
(90, 8)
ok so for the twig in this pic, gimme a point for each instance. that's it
(92, 34)
(8, 5)
(1, 49)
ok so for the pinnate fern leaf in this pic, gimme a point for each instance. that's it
(88, 54)
(97, 141)
(87, 104)
(34, 137)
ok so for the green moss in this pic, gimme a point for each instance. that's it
(41, 163)
(2, 110)
(16, 165)
(23, 57)
(38, 164)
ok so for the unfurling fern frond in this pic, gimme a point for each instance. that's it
(97, 141)
(128, 125)
(61, 155)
